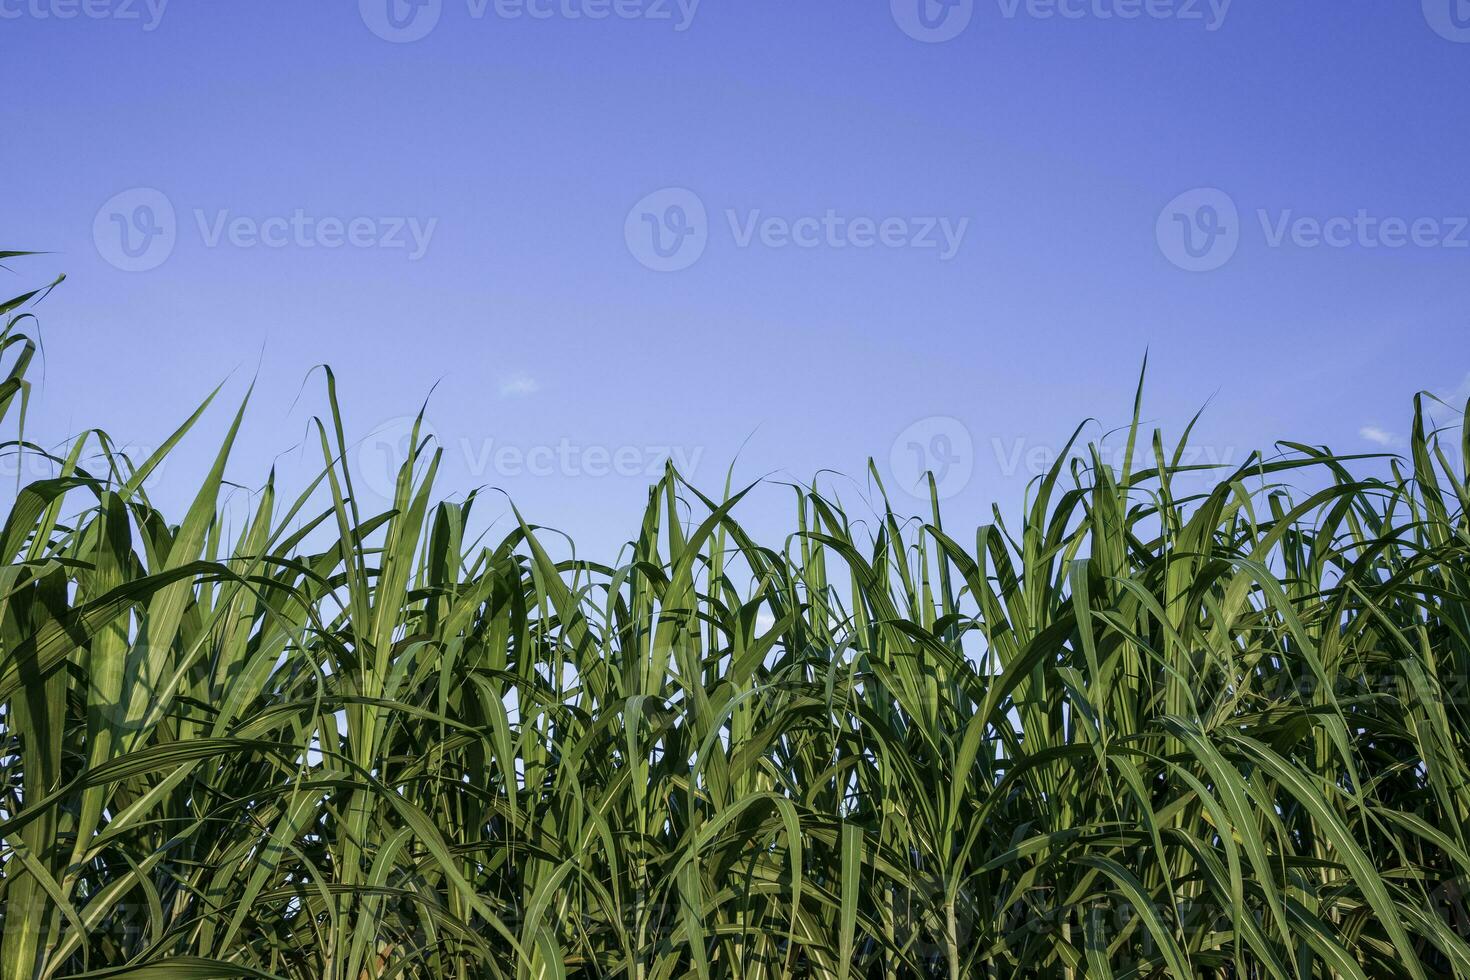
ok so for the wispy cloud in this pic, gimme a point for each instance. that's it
(519, 386)
(1374, 434)
(1456, 397)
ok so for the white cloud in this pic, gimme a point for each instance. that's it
(519, 386)
(1374, 434)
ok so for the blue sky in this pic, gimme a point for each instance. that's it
(917, 233)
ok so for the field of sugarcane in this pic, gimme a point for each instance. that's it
(1164, 722)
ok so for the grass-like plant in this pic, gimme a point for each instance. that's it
(1139, 732)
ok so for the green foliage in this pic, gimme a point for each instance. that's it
(1144, 732)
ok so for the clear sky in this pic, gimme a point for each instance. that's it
(823, 231)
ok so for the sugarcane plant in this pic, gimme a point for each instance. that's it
(1168, 721)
